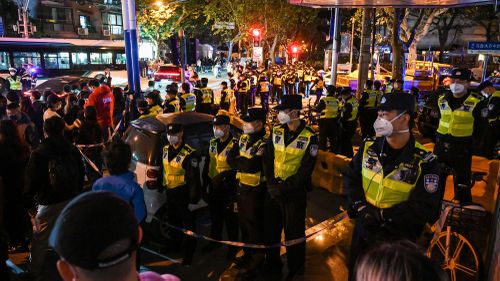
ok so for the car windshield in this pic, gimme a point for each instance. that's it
(145, 146)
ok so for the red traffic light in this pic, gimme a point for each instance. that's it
(256, 32)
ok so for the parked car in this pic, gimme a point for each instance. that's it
(167, 74)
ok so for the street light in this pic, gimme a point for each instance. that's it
(256, 32)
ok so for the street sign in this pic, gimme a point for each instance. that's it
(485, 48)
(258, 55)
(224, 25)
(1, 27)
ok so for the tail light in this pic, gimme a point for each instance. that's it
(152, 173)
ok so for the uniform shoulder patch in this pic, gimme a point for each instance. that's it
(431, 183)
(314, 150)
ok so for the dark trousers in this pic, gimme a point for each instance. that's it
(346, 133)
(290, 89)
(277, 93)
(328, 134)
(287, 213)
(318, 93)
(244, 101)
(179, 215)
(253, 92)
(264, 100)
(221, 203)
(458, 156)
(251, 214)
(366, 119)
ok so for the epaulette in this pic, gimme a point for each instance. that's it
(425, 155)
(188, 148)
(477, 96)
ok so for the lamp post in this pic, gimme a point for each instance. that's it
(131, 45)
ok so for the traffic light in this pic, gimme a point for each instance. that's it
(256, 35)
(295, 49)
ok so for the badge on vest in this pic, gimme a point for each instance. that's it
(431, 183)
(277, 139)
(300, 145)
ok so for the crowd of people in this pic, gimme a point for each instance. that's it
(56, 145)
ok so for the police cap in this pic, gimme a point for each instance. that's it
(290, 102)
(222, 120)
(254, 114)
(461, 73)
(142, 104)
(398, 101)
(174, 128)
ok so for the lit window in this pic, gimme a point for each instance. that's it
(79, 58)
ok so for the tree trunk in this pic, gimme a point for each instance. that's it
(364, 56)
(229, 50)
(397, 48)
(272, 49)
(412, 54)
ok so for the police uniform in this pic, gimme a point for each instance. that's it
(348, 123)
(14, 81)
(226, 98)
(244, 98)
(172, 105)
(222, 187)
(486, 135)
(263, 90)
(247, 159)
(180, 179)
(205, 98)
(188, 102)
(392, 193)
(328, 122)
(291, 157)
(368, 111)
(459, 117)
(277, 87)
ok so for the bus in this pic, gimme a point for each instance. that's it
(55, 57)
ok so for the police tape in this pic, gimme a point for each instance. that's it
(310, 232)
(115, 131)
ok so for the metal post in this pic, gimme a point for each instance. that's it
(485, 67)
(352, 45)
(182, 45)
(131, 46)
(335, 47)
(372, 53)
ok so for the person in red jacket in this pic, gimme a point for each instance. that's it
(102, 99)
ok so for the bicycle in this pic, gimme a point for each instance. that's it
(452, 248)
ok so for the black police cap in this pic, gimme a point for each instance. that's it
(398, 101)
(254, 114)
(174, 128)
(290, 102)
(222, 120)
(461, 73)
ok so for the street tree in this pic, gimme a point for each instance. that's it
(486, 17)
(446, 24)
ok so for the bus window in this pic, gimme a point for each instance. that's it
(79, 58)
(56, 60)
(120, 59)
(107, 58)
(4, 61)
(26, 57)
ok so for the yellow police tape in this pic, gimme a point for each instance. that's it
(309, 233)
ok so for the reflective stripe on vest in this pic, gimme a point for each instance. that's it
(355, 105)
(287, 159)
(173, 173)
(386, 191)
(372, 98)
(190, 99)
(229, 95)
(218, 161)
(459, 122)
(247, 178)
(331, 107)
(206, 95)
(264, 87)
(156, 109)
(176, 104)
(277, 81)
(15, 85)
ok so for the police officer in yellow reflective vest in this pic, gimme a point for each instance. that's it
(486, 137)
(180, 178)
(459, 116)
(222, 185)
(328, 121)
(290, 157)
(348, 121)
(368, 109)
(154, 102)
(247, 159)
(226, 96)
(187, 99)
(205, 97)
(393, 184)
(13, 81)
(172, 104)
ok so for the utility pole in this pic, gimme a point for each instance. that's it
(182, 45)
(372, 53)
(335, 46)
(364, 56)
(131, 46)
(352, 45)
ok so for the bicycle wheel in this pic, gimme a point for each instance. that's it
(463, 262)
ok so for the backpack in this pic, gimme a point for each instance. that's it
(64, 175)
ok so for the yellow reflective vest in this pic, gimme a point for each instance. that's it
(264, 86)
(249, 152)
(218, 161)
(354, 113)
(229, 95)
(373, 99)
(155, 110)
(173, 172)
(385, 191)
(15, 84)
(176, 104)
(287, 159)
(331, 107)
(190, 99)
(206, 95)
(458, 122)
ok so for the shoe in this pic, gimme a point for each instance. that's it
(256, 261)
(210, 247)
(243, 261)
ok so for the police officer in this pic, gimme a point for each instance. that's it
(179, 174)
(247, 159)
(317, 88)
(291, 154)
(393, 184)
(227, 95)
(459, 116)
(368, 109)
(205, 97)
(187, 99)
(277, 87)
(13, 81)
(244, 95)
(348, 121)
(493, 115)
(485, 136)
(328, 121)
(154, 102)
(263, 91)
(25, 77)
(143, 108)
(172, 104)
(222, 185)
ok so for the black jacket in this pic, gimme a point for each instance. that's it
(37, 187)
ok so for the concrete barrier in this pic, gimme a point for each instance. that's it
(328, 171)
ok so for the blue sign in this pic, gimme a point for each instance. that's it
(1, 26)
(486, 48)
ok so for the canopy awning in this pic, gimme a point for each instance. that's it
(390, 3)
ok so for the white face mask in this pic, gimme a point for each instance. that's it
(484, 94)
(384, 128)
(283, 118)
(248, 128)
(12, 73)
(173, 140)
(457, 88)
(218, 133)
